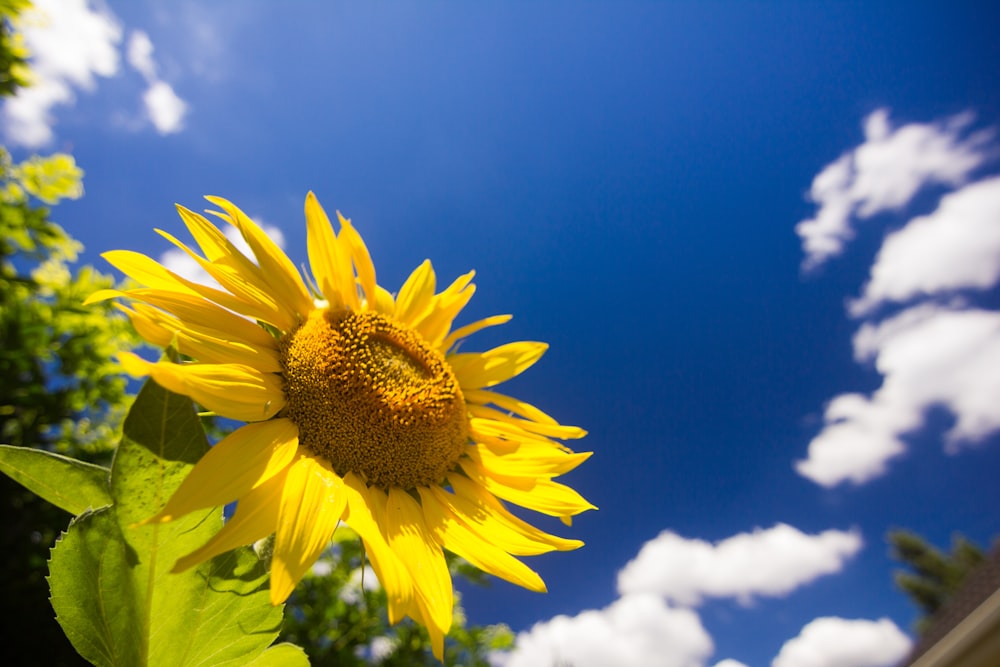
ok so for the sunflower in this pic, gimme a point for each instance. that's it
(359, 408)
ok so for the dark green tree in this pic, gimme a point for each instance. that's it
(933, 575)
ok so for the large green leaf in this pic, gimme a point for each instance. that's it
(66, 483)
(216, 614)
(281, 655)
(93, 598)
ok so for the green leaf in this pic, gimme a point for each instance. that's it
(216, 614)
(281, 655)
(66, 483)
(94, 604)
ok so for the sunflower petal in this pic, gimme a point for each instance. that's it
(475, 370)
(239, 463)
(364, 520)
(256, 517)
(202, 343)
(416, 293)
(528, 460)
(518, 425)
(275, 266)
(231, 390)
(329, 263)
(361, 258)
(469, 329)
(416, 547)
(312, 503)
(460, 540)
(482, 512)
(541, 495)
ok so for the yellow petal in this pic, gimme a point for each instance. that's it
(422, 555)
(518, 425)
(541, 495)
(242, 278)
(147, 271)
(329, 258)
(469, 329)
(361, 258)
(457, 538)
(361, 516)
(527, 460)
(445, 307)
(231, 390)
(240, 462)
(404, 602)
(201, 343)
(196, 310)
(508, 403)
(482, 512)
(416, 293)
(277, 269)
(484, 369)
(384, 303)
(312, 503)
(256, 517)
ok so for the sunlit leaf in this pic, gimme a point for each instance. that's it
(66, 483)
(281, 655)
(216, 614)
(94, 603)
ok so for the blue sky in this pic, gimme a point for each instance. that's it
(762, 239)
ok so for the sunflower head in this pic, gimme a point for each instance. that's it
(372, 397)
(358, 409)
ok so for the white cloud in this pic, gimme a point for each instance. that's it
(883, 174)
(957, 246)
(166, 110)
(930, 356)
(634, 631)
(769, 562)
(140, 54)
(184, 265)
(71, 44)
(839, 642)
(729, 662)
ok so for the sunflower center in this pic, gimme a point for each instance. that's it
(371, 397)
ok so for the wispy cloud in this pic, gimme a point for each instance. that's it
(166, 110)
(883, 174)
(655, 623)
(769, 562)
(71, 45)
(840, 642)
(933, 349)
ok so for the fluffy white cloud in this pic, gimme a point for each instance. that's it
(183, 264)
(71, 44)
(634, 631)
(840, 642)
(139, 54)
(930, 356)
(729, 662)
(166, 110)
(956, 246)
(884, 173)
(770, 562)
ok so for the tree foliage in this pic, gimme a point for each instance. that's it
(338, 614)
(933, 576)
